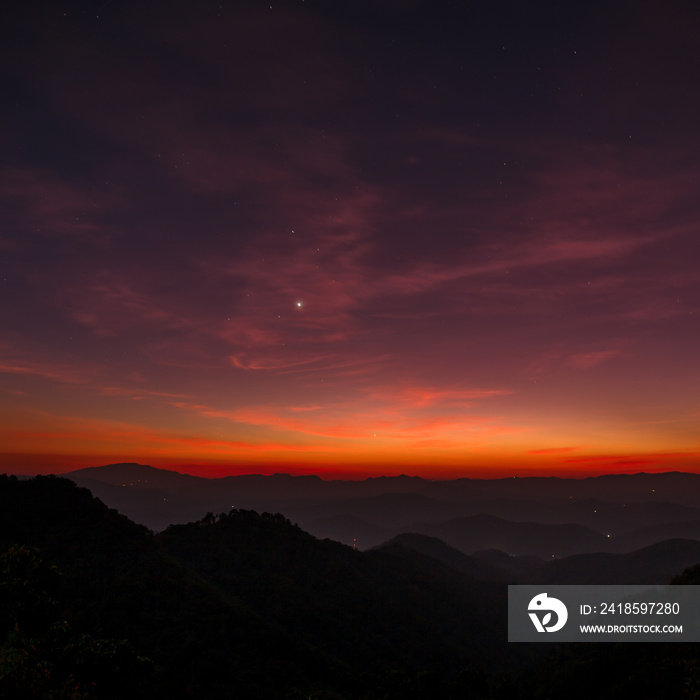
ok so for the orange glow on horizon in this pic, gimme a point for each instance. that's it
(432, 434)
(238, 275)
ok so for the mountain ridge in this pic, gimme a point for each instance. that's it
(605, 513)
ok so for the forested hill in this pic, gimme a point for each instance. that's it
(250, 604)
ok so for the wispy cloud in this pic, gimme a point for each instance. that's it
(586, 360)
(553, 450)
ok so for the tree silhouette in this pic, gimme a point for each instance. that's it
(40, 657)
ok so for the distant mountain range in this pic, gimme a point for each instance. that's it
(656, 564)
(544, 517)
(250, 605)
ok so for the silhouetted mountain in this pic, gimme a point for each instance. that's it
(250, 604)
(348, 529)
(131, 474)
(633, 510)
(435, 548)
(644, 536)
(380, 517)
(389, 509)
(488, 532)
(335, 598)
(658, 563)
(158, 498)
(673, 487)
(522, 569)
(117, 583)
(602, 516)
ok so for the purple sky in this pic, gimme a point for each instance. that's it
(351, 238)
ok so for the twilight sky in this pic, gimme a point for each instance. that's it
(350, 238)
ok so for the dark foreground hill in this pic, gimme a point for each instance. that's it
(250, 606)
